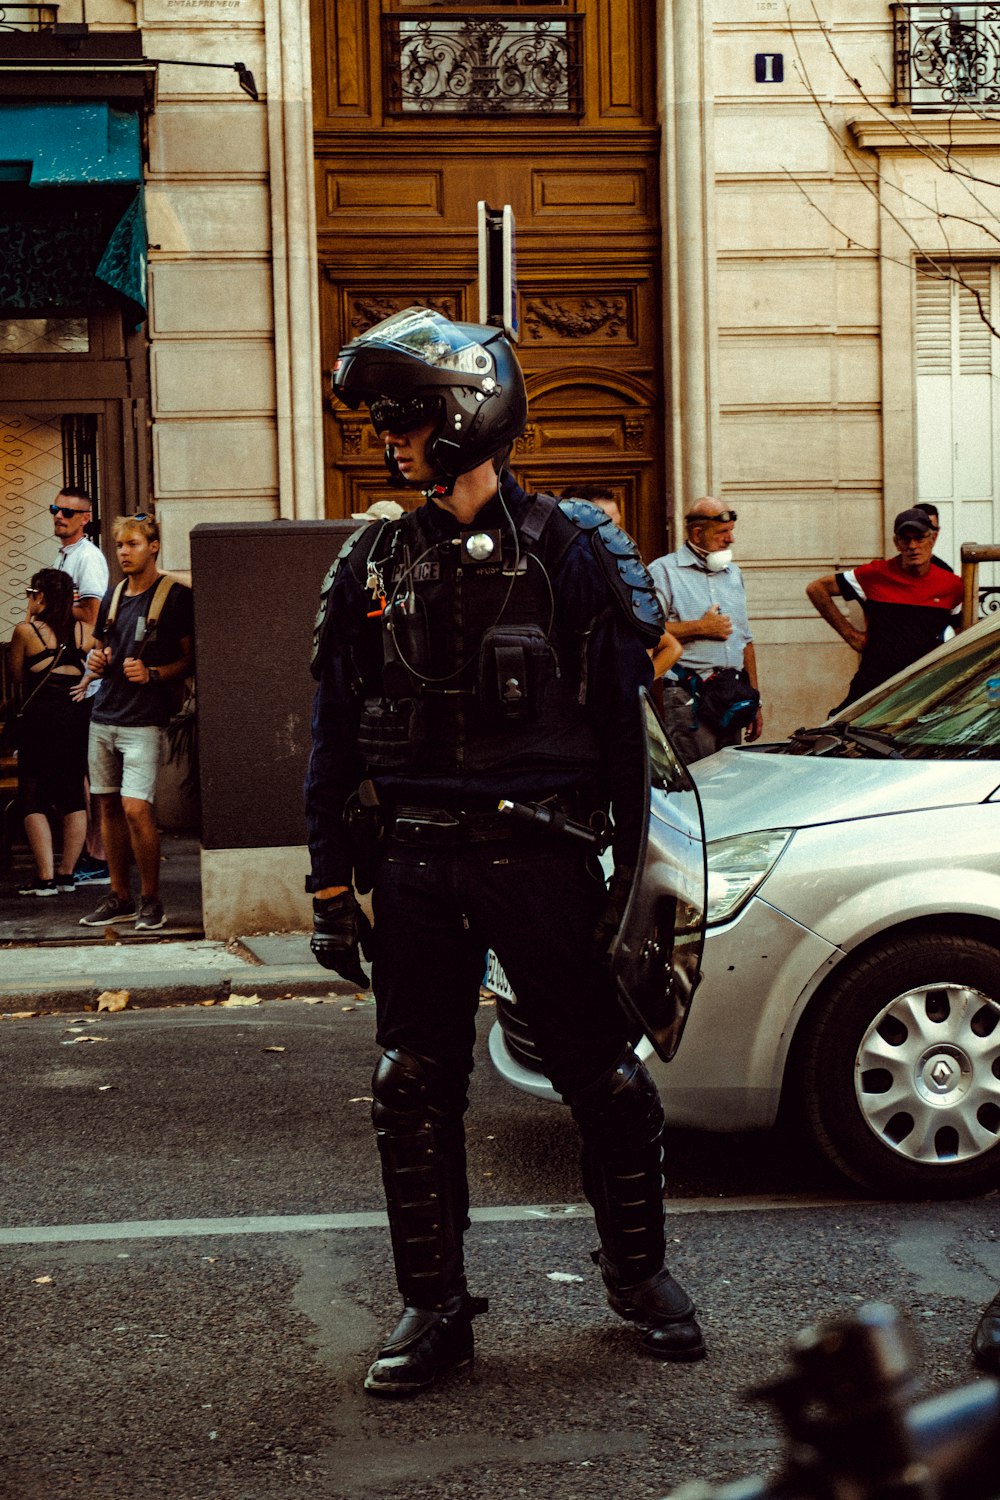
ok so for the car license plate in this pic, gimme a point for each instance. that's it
(496, 980)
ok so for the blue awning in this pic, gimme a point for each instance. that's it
(65, 143)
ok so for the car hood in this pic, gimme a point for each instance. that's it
(743, 791)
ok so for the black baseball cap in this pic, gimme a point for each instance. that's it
(912, 520)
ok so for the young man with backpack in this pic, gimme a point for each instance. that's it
(145, 631)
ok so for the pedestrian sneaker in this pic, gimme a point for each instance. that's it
(40, 888)
(150, 914)
(111, 909)
(65, 884)
(91, 871)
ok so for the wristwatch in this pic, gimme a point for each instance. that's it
(154, 674)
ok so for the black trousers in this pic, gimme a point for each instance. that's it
(437, 911)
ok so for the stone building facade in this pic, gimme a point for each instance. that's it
(770, 188)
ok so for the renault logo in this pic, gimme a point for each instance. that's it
(942, 1073)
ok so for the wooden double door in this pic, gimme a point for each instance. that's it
(420, 113)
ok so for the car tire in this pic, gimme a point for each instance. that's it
(899, 1072)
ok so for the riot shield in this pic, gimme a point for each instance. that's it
(656, 956)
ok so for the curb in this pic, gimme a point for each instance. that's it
(171, 987)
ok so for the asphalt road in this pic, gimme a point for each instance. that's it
(194, 1273)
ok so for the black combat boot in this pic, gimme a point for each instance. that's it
(425, 1345)
(421, 1140)
(621, 1121)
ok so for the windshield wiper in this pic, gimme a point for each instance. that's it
(877, 740)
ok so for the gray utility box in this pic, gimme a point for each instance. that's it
(256, 591)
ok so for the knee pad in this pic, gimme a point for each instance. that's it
(621, 1110)
(406, 1088)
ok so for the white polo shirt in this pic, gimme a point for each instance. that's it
(87, 567)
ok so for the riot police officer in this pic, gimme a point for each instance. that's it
(488, 645)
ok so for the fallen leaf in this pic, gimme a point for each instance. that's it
(346, 1008)
(207, 1002)
(42, 1280)
(562, 1276)
(273, 1049)
(361, 1099)
(241, 1000)
(75, 1040)
(313, 999)
(18, 1015)
(113, 1000)
(102, 1088)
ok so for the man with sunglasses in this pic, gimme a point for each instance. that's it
(486, 647)
(78, 556)
(704, 600)
(85, 563)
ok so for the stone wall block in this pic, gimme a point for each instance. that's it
(193, 377)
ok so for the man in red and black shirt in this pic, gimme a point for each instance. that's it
(909, 601)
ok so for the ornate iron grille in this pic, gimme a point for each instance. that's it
(28, 17)
(81, 465)
(947, 57)
(483, 65)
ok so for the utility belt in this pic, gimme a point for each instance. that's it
(445, 828)
(371, 824)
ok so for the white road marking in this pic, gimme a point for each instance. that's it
(156, 1229)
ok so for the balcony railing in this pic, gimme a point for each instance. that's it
(484, 64)
(28, 17)
(947, 57)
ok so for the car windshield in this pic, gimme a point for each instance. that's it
(948, 709)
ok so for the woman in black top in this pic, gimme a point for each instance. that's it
(47, 656)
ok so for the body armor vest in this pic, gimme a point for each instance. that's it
(475, 676)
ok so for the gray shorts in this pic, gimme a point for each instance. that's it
(125, 758)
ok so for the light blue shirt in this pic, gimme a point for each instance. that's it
(687, 589)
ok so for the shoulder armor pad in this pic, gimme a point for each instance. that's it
(631, 585)
(584, 515)
(326, 590)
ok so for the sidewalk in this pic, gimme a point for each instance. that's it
(48, 962)
(181, 972)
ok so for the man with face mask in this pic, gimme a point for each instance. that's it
(701, 590)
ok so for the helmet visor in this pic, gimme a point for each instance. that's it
(424, 334)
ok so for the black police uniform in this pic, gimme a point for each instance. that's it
(515, 676)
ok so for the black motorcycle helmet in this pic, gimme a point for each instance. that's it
(417, 366)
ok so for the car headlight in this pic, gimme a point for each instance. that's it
(737, 866)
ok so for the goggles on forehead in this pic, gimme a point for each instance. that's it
(391, 415)
(724, 518)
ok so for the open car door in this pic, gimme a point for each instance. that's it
(656, 956)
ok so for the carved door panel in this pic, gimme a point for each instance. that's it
(422, 112)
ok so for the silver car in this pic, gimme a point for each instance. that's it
(834, 943)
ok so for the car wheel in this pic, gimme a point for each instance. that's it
(900, 1068)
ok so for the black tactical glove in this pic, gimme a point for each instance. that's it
(610, 919)
(339, 928)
